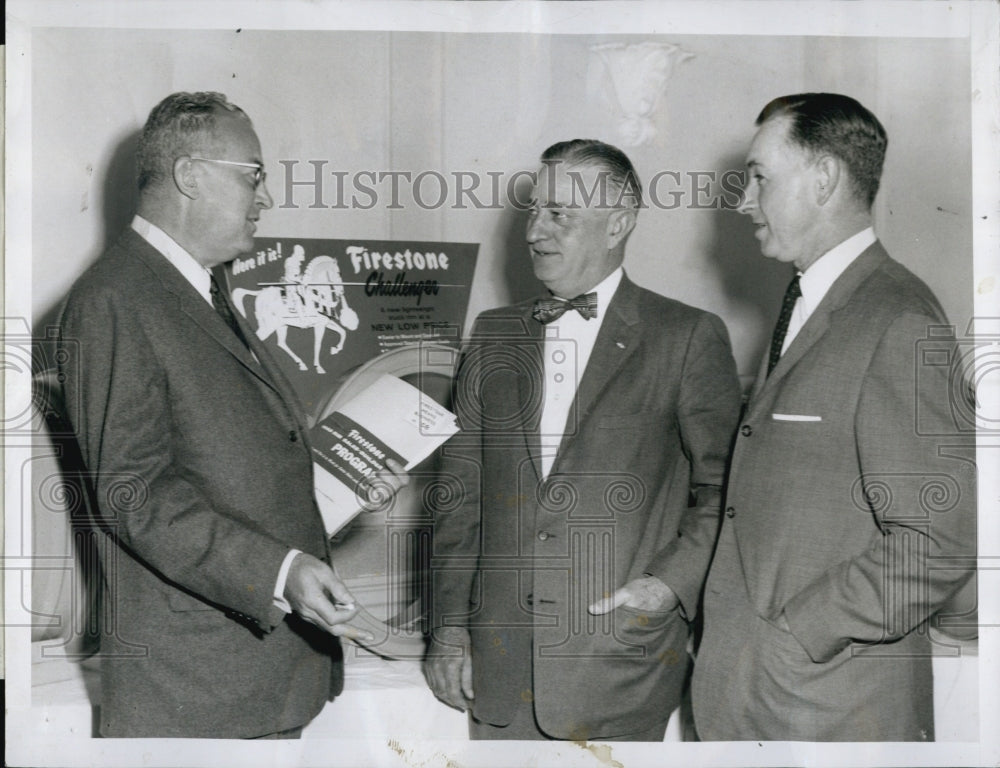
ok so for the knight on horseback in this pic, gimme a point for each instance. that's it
(313, 299)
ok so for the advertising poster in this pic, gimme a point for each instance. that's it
(325, 307)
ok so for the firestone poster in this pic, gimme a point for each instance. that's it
(326, 307)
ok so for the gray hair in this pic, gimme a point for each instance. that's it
(178, 125)
(618, 169)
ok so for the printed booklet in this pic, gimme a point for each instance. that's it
(389, 419)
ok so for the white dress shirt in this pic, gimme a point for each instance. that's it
(815, 282)
(184, 262)
(201, 279)
(569, 340)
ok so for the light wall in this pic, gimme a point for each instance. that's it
(481, 103)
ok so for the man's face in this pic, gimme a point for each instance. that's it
(229, 202)
(570, 243)
(780, 195)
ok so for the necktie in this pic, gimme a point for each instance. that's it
(547, 310)
(778, 339)
(224, 310)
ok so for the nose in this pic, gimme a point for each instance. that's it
(263, 198)
(748, 200)
(535, 230)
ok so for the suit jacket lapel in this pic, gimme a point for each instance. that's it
(818, 323)
(192, 304)
(531, 388)
(614, 343)
(264, 366)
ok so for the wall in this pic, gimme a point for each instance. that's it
(381, 101)
(480, 103)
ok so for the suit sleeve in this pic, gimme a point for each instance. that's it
(921, 492)
(119, 402)
(457, 502)
(707, 413)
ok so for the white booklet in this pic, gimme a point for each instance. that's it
(389, 419)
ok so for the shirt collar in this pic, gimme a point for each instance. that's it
(199, 277)
(823, 273)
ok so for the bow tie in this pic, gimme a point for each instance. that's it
(547, 310)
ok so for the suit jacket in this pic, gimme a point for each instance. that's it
(517, 559)
(199, 468)
(850, 507)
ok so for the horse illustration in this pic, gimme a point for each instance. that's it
(316, 300)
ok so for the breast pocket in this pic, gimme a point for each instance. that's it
(797, 418)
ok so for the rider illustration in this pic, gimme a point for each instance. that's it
(305, 298)
(295, 296)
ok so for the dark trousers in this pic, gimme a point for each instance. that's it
(524, 728)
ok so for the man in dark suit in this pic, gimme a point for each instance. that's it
(223, 604)
(595, 429)
(850, 511)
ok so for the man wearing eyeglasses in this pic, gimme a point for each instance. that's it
(224, 608)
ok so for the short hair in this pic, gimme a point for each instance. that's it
(180, 124)
(623, 180)
(838, 125)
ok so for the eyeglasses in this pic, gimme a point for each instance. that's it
(259, 174)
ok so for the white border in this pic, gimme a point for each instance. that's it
(26, 742)
(875, 18)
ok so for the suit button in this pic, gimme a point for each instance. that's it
(746, 430)
(543, 536)
(730, 512)
(293, 435)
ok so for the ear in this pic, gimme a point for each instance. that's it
(185, 178)
(828, 177)
(620, 225)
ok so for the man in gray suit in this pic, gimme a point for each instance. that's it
(223, 604)
(596, 423)
(850, 511)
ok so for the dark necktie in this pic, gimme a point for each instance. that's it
(225, 311)
(547, 310)
(778, 339)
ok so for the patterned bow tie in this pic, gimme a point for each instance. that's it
(547, 310)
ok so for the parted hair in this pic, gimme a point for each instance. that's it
(181, 124)
(623, 181)
(836, 124)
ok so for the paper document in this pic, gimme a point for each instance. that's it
(389, 419)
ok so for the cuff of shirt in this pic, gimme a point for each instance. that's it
(279, 587)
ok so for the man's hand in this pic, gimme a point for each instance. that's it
(376, 493)
(646, 594)
(448, 667)
(318, 596)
